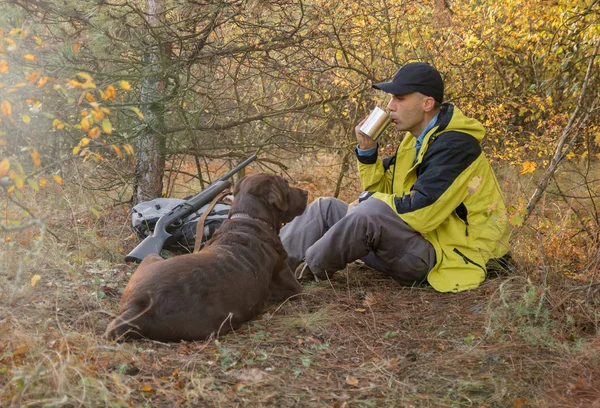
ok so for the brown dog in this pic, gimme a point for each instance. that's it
(193, 296)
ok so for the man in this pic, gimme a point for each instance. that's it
(432, 213)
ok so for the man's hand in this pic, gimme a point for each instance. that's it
(351, 205)
(364, 141)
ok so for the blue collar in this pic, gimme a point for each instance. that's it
(429, 126)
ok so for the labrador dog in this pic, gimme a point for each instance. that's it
(208, 293)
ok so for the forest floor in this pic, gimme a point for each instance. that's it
(527, 339)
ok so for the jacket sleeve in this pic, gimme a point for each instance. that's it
(442, 182)
(375, 174)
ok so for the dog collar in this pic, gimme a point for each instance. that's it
(246, 216)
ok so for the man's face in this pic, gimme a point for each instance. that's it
(408, 112)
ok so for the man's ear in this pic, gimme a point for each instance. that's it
(428, 104)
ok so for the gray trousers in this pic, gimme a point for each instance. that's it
(328, 238)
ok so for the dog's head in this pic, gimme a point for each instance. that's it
(280, 202)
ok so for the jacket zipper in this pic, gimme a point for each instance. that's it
(467, 260)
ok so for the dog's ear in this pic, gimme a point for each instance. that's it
(236, 188)
(278, 194)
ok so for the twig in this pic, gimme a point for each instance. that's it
(560, 152)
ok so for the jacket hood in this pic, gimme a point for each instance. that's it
(452, 119)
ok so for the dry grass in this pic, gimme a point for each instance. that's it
(526, 340)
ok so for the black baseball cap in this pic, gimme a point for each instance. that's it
(415, 77)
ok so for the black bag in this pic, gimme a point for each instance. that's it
(145, 215)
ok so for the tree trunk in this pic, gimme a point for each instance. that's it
(150, 156)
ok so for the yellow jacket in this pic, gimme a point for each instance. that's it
(449, 194)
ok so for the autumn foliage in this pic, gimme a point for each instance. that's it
(98, 98)
(42, 114)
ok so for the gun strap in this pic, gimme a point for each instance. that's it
(202, 219)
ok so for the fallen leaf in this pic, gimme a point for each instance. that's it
(21, 350)
(519, 403)
(247, 375)
(6, 108)
(352, 380)
(474, 184)
(35, 156)
(528, 167)
(4, 167)
(369, 300)
(35, 279)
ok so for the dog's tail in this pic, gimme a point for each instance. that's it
(122, 327)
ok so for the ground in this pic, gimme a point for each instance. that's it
(526, 339)
(357, 340)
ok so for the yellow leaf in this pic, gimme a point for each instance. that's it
(110, 93)
(42, 81)
(94, 133)
(85, 76)
(3, 67)
(74, 83)
(35, 279)
(33, 184)
(474, 184)
(19, 182)
(32, 77)
(516, 220)
(76, 150)
(85, 124)
(98, 115)
(352, 380)
(129, 149)
(76, 47)
(6, 108)
(29, 57)
(360, 310)
(138, 112)
(89, 97)
(107, 126)
(528, 167)
(11, 190)
(43, 183)
(125, 85)
(57, 179)
(570, 155)
(26, 118)
(35, 155)
(147, 388)
(84, 141)
(118, 151)
(4, 167)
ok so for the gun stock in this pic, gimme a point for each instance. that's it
(154, 243)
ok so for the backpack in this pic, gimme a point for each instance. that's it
(146, 214)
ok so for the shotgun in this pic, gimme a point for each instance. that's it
(153, 244)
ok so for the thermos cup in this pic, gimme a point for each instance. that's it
(377, 121)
